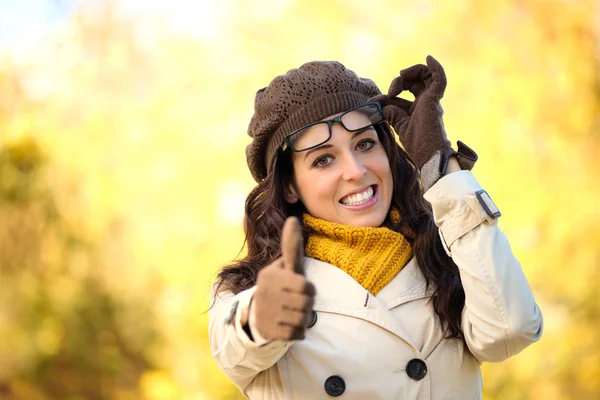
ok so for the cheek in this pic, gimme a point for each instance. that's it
(381, 167)
(315, 186)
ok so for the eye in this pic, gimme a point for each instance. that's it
(365, 144)
(322, 161)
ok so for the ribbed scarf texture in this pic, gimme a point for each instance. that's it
(372, 256)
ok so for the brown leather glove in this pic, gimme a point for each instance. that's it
(419, 124)
(283, 299)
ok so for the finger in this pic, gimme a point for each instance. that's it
(418, 72)
(309, 289)
(292, 246)
(417, 87)
(298, 333)
(416, 78)
(294, 283)
(399, 102)
(289, 332)
(438, 77)
(298, 302)
(434, 65)
(293, 318)
(386, 100)
(268, 271)
(396, 87)
(395, 115)
(380, 98)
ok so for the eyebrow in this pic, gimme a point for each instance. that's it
(328, 146)
(323, 146)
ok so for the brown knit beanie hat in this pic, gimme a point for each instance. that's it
(300, 97)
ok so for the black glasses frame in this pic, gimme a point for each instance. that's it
(288, 143)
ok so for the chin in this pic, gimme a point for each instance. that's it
(372, 220)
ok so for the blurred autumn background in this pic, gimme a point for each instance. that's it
(123, 177)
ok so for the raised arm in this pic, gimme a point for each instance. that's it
(500, 317)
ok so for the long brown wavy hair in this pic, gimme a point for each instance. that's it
(267, 210)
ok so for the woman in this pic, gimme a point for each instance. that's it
(405, 284)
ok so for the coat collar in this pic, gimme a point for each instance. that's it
(340, 289)
(408, 285)
(338, 292)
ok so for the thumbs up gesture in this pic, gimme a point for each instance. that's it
(283, 299)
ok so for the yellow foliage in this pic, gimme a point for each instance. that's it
(158, 385)
(123, 178)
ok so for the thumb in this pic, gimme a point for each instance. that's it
(292, 246)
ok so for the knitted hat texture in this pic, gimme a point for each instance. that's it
(300, 97)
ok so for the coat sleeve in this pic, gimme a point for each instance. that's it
(237, 355)
(500, 317)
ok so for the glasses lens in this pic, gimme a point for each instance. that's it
(310, 136)
(362, 117)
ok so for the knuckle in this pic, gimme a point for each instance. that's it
(310, 302)
(295, 281)
(298, 333)
(309, 288)
(261, 274)
(286, 332)
(265, 272)
(299, 319)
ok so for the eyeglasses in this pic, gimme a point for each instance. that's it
(353, 120)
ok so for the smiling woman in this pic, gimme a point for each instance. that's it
(342, 173)
(373, 271)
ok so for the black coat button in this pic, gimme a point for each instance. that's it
(335, 386)
(313, 319)
(416, 369)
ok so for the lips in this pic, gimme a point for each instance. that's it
(359, 197)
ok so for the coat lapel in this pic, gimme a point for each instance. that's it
(408, 285)
(338, 292)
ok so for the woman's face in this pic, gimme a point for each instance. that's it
(346, 180)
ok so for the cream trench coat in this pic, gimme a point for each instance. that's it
(391, 346)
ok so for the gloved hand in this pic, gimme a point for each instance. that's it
(283, 299)
(419, 124)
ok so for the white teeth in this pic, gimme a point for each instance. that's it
(359, 198)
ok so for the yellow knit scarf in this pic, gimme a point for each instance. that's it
(372, 256)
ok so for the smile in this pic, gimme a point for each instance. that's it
(360, 198)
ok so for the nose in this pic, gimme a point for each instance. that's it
(354, 169)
